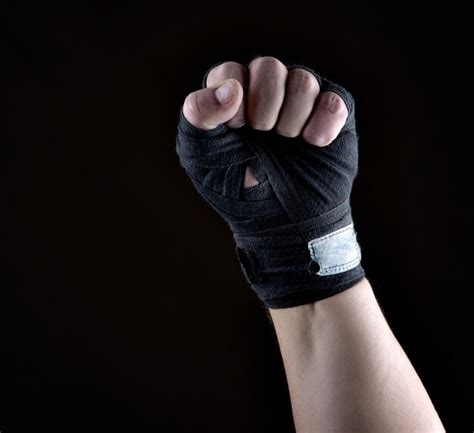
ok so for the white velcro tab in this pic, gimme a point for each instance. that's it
(336, 252)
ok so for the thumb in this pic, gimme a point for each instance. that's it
(208, 108)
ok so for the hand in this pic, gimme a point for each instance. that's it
(289, 101)
(267, 96)
(274, 151)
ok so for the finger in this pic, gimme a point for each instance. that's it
(208, 108)
(238, 72)
(302, 88)
(326, 122)
(267, 77)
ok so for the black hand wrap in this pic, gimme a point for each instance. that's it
(302, 195)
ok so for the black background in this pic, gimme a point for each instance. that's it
(125, 308)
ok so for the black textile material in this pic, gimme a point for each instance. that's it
(303, 194)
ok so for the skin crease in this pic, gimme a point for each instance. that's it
(346, 371)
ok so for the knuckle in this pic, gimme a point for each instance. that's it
(318, 138)
(227, 68)
(302, 81)
(268, 62)
(192, 105)
(262, 125)
(223, 71)
(236, 122)
(333, 103)
(286, 132)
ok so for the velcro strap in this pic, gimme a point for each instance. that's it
(336, 252)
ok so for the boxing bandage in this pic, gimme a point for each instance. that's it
(293, 231)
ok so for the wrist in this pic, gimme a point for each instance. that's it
(333, 309)
(299, 264)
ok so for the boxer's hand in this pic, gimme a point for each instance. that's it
(267, 96)
(275, 125)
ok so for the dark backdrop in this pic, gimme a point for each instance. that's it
(125, 308)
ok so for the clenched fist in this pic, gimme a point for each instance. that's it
(274, 151)
(267, 95)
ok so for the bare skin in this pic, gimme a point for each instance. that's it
(345, 369)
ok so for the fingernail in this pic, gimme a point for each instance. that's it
(225, 93)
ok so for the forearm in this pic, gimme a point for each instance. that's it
(346, 370)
